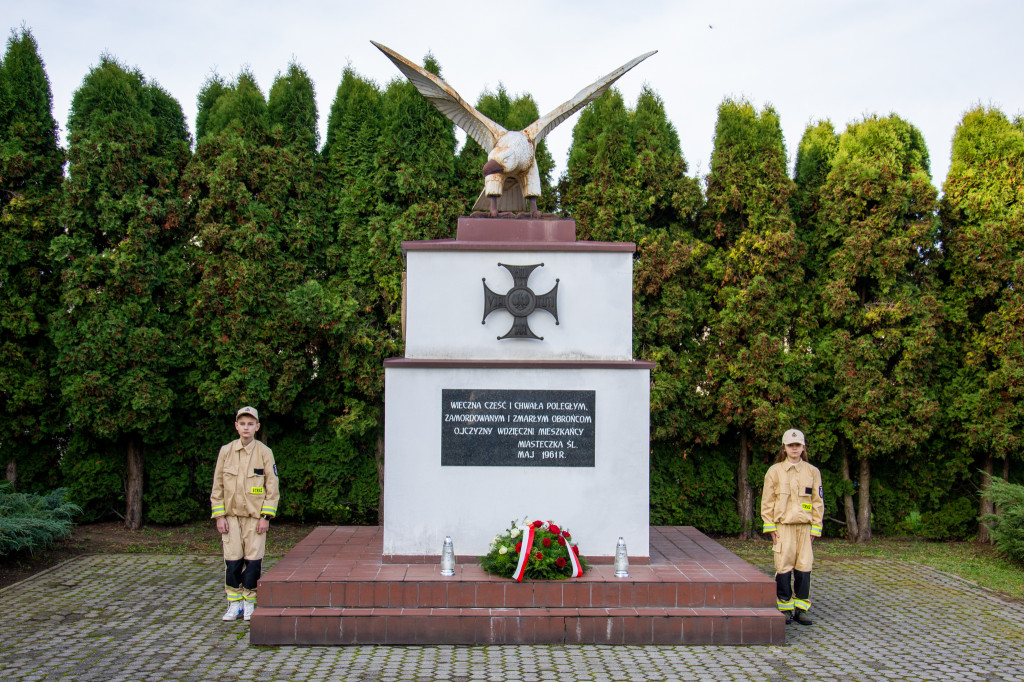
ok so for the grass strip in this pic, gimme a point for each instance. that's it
(981, 564)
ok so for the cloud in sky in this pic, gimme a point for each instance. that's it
(927, 61)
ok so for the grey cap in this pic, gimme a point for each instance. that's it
(249, 410)
(793, 436)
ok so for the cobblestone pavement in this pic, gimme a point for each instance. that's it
(153, 617)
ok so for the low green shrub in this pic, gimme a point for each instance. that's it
(33, 522)
(694, 488)
(1007, 527)
(954, 521)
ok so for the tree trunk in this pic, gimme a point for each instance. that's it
(986, 506)
(133, 489)
(12, 473)
(852, 529)
(744, 494)
(1006, 477)
(864, 501)
(379, 456)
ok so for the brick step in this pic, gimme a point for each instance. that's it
(591, 591)
(385, 625)
(335, 588)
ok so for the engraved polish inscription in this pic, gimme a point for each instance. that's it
(505, 427)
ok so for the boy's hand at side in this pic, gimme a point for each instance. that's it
(262, 526)
(222, 525)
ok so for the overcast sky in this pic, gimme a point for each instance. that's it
(927, 61)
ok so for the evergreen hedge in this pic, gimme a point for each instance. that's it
(163, 282)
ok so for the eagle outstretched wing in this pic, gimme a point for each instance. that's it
(539, 129)
(443, 96)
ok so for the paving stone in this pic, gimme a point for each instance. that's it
(152, 617)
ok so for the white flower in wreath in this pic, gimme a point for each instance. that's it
(503, 550)
(514, 533)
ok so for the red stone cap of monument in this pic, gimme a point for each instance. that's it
(515, 234)
(516, 230)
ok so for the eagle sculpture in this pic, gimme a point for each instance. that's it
(510, 173)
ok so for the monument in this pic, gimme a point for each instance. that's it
(536, 407)
(517, 397)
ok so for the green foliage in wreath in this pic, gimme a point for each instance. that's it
(549, 556)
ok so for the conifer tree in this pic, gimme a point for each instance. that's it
(756, 360)
(814, 157)
(292, 107)
(260, 250)
(118, 330)
(983, 242)
(251, 184)
(626, 177)
(30, 181)
(211, 91)
(878, 294)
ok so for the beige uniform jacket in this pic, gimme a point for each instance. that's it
(245, 481)
(792, 494)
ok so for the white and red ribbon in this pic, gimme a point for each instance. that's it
(577, 570)
(524, 552)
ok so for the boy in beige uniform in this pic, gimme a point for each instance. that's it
(792, 508)
(245, 497)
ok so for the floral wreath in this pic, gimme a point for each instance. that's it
(538, 549)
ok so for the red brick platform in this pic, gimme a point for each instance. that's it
(333, 588)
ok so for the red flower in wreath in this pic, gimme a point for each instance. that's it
(561, 541)
(547, 542)
(560, 562)
(566, 535)
(576, 549)
(553, 528)
(538, 523)
(519, 547)
(538, 556)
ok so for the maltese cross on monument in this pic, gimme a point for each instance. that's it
(520, 302)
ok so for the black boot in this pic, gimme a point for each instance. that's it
(800, 616)
(789, 617)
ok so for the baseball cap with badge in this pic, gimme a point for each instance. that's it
(249, 410)
(793, 436)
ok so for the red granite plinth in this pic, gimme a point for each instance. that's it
(333, 588)
(516, 230)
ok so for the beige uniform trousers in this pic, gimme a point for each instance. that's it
(242, 542)
(792, 549)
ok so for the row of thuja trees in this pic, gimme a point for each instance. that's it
(157, 282)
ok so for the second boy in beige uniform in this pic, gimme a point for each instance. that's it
(792, 509)
(244, 498)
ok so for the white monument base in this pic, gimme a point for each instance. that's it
(425, 499)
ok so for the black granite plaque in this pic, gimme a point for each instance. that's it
(508, 428)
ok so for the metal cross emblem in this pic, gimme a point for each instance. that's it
(520, 302)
